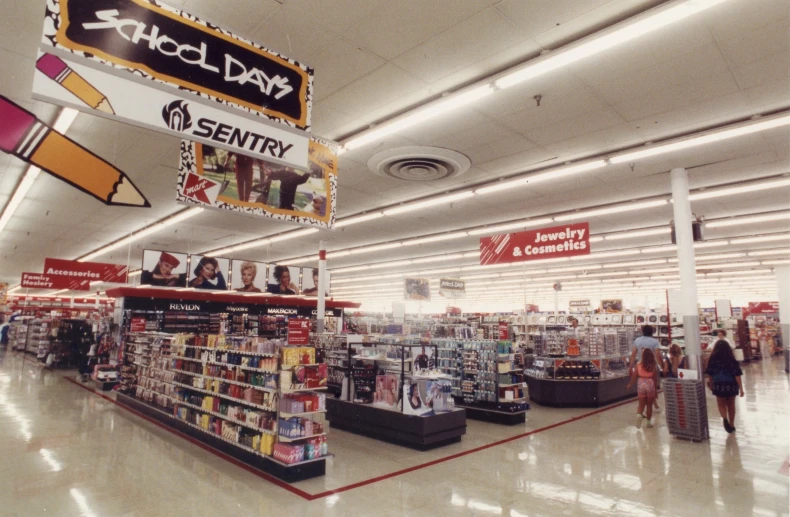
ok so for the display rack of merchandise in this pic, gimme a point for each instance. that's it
(17, 334)
(332, 349)
(38, 337)
(393, 379)
(72, 343)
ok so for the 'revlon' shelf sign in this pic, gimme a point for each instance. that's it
(166, 45)
(546, 243)
(91, 271)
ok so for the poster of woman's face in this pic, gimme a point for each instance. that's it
(248, 277)
(164, 268)
(310, 282)
(417, 289)
(284, 279)
(208, 273)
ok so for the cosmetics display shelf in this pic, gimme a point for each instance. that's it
(224, 417)
(288, 439)
(229, 381)
(226, 397)
(385, 372)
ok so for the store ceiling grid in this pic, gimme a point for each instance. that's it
(373, 59)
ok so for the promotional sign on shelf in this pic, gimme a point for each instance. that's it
(452, 288)
(298, 331)
(92, 271)
(417, 289)
(68, 83)
(137, 325)
(504, 335)
(546, 243)
(39, 281)
(164, 45)
(214, 178)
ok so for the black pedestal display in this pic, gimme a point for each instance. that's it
(104, 385)
(495, 416)
(289, 473)
(417, 432)
(549, 392)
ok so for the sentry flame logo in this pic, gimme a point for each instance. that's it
(176, 115)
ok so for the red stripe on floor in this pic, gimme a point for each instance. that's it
(313, 497)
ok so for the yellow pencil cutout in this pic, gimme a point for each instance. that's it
(29, 139)
(57, 70)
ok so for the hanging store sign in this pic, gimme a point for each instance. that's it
(612, 306)
(417, 289)
(579, 305)
(763, 308)
(92, 271)
(69, 83)
(212, 177)
(39, 281)
(166, 45)
(298, 331)
(452, 288)
(545, 243)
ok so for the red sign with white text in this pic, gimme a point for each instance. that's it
(39, 281)
(504, 335)
(137, 325)
(763, 308)
(91, 271)
(298, 331)
(547, 243)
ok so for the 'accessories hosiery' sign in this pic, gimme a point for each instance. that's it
(162, 43)
(545, 243)
(91, 271)
(39, 281)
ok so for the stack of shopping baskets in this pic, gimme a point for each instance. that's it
(687, 411)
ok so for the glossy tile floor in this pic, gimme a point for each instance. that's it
(68, 452)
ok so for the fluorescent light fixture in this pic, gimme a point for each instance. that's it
(420, 115)
(435, 238)
(389, 264)
(19, 194)
(54, 293)
(312, 258)
(763, 238)
(606, 254)
(14, 289)
(573, 268)
(765, 253)
(510, 226)
(746, 128)
(735, 273)
(655, 270)
(607, 274)
(334, 254)
(543, 176)
(624, 207)
(720, 256)
(775, 262)
(136, 272)
(729, 191)
(429, 202)
(596, 238)
(441, 258)
(439, 271)
(711, 244)
(636, 263)
(660, 249)
(376, 247)
(638, 233)
(748, 220)
(293, 235)
(350, 269)
(358, 219)
(470, 254)
(179, 217)
(729, 265)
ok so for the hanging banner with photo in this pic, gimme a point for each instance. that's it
(284, 280)
(208, 273)
(68, 83)
(167, 46)
(310, 282)
(164, 268)
(417, 289)
(215, 178)
(91, 271)
(249, 277)
(547, 243)
(612, 306)
(452, 288)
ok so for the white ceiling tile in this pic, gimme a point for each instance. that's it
(576, 126)
(730, 19)
(774, 67)
(241, 19)
(339, 64)
(288, 31)
(553, 111)
(522, 161)
(755, 44)
(499, 148)
(534, 17)
(596, 142)
(769, 96)
(486, 133)
(337, 14)
(325, 120)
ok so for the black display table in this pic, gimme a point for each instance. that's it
(104, 385)
(289, 473)
(495, 415)
(416, 432)
(548, 392)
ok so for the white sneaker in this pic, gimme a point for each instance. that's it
(639, 421)
(649, 424)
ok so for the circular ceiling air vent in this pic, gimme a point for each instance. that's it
(419, 163)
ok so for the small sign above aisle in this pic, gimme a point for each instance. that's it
(39, 281)
(546, 243)
(92, 271)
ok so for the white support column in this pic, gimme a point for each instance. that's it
(783, 287)
(687, 266)
(321, 285)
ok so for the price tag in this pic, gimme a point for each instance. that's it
(524, 384)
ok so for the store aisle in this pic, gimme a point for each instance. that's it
(68, 452)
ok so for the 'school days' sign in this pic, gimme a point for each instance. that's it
(546, 243)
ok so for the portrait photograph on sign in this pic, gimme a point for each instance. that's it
(248, 276)
(417, 289)
(310, 281)
(208, 273)
(612, 306)
(214, 177)
(284, 280)
(164, 268)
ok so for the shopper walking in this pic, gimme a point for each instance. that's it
(724, 380)
(646, 376)
(647, 341)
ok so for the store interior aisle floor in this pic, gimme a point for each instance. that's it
(68, 452)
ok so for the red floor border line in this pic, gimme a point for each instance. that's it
(312, 497)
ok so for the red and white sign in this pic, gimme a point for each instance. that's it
(91, 271)
(201, 189)
(504, 335)
(763, 308)
(545, 243)
(298, 331)
(137, 325)
(39, 281)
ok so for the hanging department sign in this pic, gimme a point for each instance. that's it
(132, 100)
(546, 243)
(167, 45)
(39, 281)
(91, 271)
(579, 305)
(451, 288)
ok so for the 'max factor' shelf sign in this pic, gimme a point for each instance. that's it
(169, 46)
